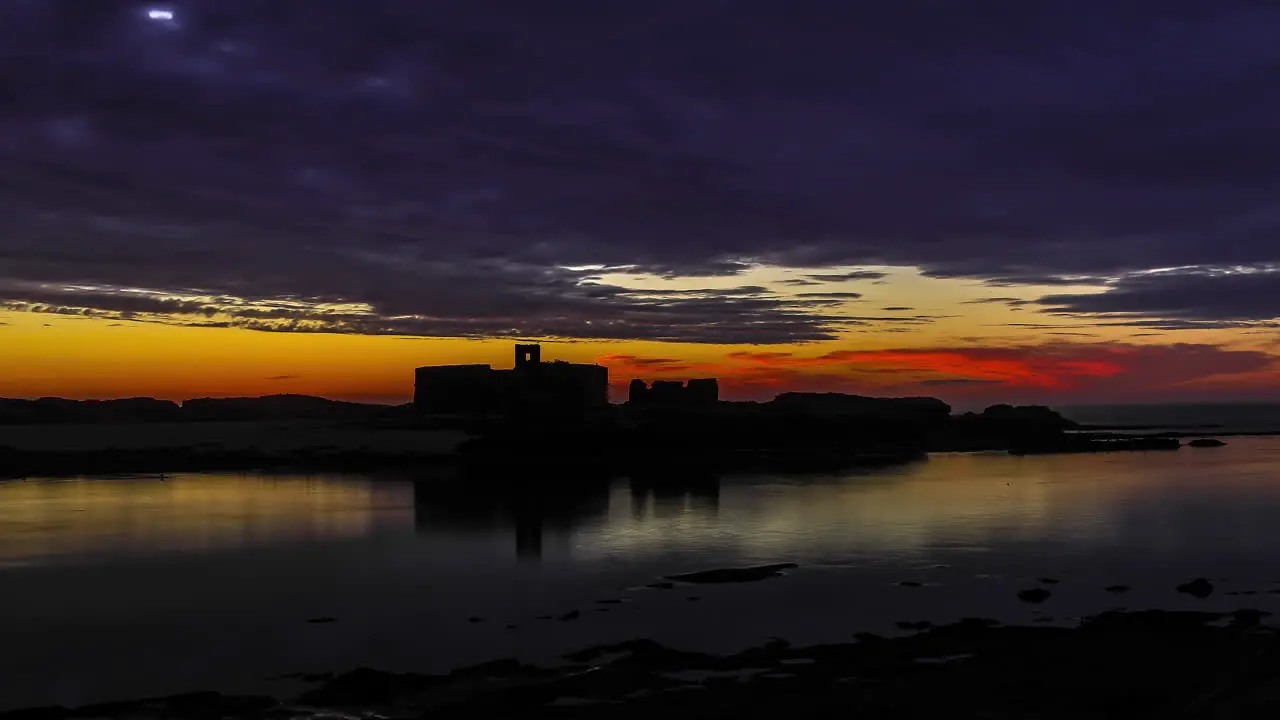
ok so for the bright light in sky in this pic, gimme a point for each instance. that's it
(160, 15)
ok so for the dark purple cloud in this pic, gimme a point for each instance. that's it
(830, 295)
(494, 301)
(1219, 296)
(845, 276)
(391, 152)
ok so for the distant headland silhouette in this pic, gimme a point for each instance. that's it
(500, 422)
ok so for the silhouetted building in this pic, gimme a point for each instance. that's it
(702, 392)
(531, 384)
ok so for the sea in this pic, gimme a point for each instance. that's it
(127, 587)
(1189, 417)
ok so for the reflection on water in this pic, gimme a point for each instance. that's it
(665, 497)
(126, 587)
(526, 514)
(533, 516)
(61, 519)
(1190, 499)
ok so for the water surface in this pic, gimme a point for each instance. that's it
(114, 588)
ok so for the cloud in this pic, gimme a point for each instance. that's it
(995, 301)
(900, 319)
(632, 362)
(895, 308)
(957, 382)
(1028, 278)
(493, 300)
(282, 377)
(1040, 145)
(1188, 297)
(830, 295)
(1016, 366)
(766, 358)
(842, 277)
(1050, 368)
(1053, 372)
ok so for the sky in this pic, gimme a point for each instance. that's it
(1001, 201)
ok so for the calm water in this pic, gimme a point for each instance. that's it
(1224, 417)
(119, 588)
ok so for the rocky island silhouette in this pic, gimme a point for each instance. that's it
(487, 422)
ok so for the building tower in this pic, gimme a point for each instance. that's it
(527, 355)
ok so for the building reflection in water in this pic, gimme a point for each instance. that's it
(529, 512)
(532, 513)
(662, 496)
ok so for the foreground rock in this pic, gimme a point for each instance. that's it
(1085, 443)
(1034, 596)
(733, 575)
(191, 705)
(1198, 588)
(1116, 665)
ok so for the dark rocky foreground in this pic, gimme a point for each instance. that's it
(1116, 665)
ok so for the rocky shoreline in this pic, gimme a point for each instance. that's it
(797, 432)
(1118, 664)
(169, 460)
(493, 456)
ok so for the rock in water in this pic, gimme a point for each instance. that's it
(1198, 588)
(732, 575)
(1034, 595)
(1249, 617)
(1206, 443)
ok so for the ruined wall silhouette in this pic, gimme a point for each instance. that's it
(531, 385)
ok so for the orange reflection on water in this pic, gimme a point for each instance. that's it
(42, 519)
(972, 501)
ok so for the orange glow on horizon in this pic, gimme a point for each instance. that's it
(906, 335)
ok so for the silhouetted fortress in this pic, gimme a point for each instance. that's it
(672, 394)
(531, 385)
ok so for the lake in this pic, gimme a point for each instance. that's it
(118, 588)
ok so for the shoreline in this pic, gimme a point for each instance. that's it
(1117, 663)
(18, 464)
